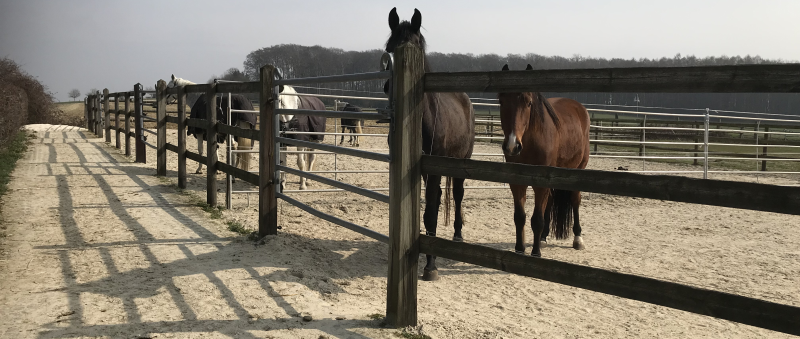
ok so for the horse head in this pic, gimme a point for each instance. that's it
(176, 82)
(403, 32)
(286, 100)
(515, 117)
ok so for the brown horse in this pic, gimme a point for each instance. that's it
(448, 129)
(550, 132)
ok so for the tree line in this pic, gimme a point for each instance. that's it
(297, 61)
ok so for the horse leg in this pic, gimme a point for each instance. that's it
(311, 158)
(576, 229)
(433, 199)
(282, 158)
(519, 193)
(344, 128)
(548, 218)
(541, 196)
(458, 196)
(358, 132)
(301, 165)
(199, 151)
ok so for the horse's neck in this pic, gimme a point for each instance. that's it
(183, 82)
(288, 102)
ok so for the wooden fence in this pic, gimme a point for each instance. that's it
(98, 114)
(406, 243)
(407, 164)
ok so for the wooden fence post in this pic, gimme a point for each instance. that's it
(86, 111)
(98, 112)
(211, 142)
(141, 153)
(181, 137)
(404, 186)
(106, 116)
(127, 98)
(116, 122)
(267, 180)
(161, 126)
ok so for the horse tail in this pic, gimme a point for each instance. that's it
(561, 217)
(447, 190)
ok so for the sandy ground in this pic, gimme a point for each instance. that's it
(100, 247)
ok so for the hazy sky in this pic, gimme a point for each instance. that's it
(115, 44)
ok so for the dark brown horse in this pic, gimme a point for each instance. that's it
(448, 129)
(550, 132)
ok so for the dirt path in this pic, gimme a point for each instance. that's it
(100, 247)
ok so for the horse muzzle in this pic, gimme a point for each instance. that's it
(511, 145)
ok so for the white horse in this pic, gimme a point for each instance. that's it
(241, 160)
(289, 101)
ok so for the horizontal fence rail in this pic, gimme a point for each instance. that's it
(743, 195)
(704, 79)
(344, 223)
(764, 314)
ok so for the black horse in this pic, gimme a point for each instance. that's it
(448, 129)
(352, 125)
(242, 120)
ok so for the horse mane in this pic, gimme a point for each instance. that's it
(540, 100)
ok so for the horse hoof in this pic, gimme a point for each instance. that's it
(198, 172)
(519, 252)
(578, 244)
(458, 238)
(428, 275)
(536, 255)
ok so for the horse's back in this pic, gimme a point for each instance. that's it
(309, 123)
(574, 130)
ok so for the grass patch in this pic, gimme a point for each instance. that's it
(412, 335)
(8, 160)
(237, 227)
(216, 212)
(376, 316)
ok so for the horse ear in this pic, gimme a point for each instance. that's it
(173, 77)
(505, 67)
(529, 67)
(394, 20)
(416, 21)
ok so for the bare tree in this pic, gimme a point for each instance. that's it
(74, 93)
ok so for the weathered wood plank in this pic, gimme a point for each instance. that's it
(141, 153)
(238, 172)
(764, 314)
(404, 187)
(268, 180)
(744, 195)
(161, 128)
(181, 95)
(783, 78)
(211, 143)
(241, 87)
(127, 132)
(172, 119)
(239, 132)
(197, 88)
(106, 116)
(195, 157)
